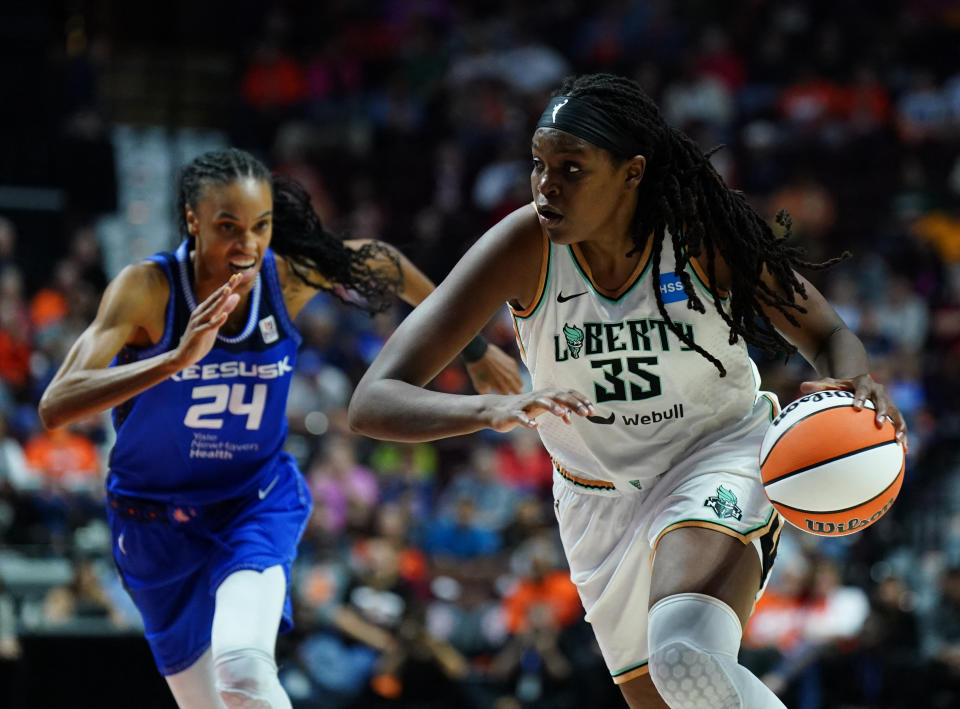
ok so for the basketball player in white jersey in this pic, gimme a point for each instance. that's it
(634, 278)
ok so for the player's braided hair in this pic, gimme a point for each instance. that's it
(368, 277)
(682, 194)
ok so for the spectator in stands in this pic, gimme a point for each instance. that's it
(460, 538)
(523, 464)
(537, 611)
(16, 345)
(887, 657)
(942, 641)
(65, 486)
(50, 304)
(344, 492)
(492, 502)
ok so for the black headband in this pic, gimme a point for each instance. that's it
(581, 119)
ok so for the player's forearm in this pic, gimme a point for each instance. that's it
(75, 395)
(394, 410)
(415, 286)
(841, 355)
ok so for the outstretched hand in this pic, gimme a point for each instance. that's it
(522, 409)
(495, 372)
(207, 319)
(863, 388)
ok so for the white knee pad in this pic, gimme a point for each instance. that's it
(247, 679)
(693, 641)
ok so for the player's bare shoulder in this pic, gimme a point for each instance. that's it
(289, 282)
(515, 247)
(296, 290)
(523, 229)
(137, 297)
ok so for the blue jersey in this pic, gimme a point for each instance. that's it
(215, 429)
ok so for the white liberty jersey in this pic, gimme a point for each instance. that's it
(657, 400)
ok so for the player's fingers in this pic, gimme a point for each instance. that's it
(578, 402)
(809, 387)
(862, 393)
(505, 379)
(563, 403)
(222, 299)
(234, 282)
(209, 305)
(578, 407)
(227, 306)
(884, 409)
(899, 423)
(501, 387)
(526, 420)
(217, 316)
(514, 384)
(238, 279)
(548, 403)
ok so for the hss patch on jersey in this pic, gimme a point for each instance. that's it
(671, 288)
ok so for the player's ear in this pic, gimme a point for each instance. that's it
(193, 224)
(636, 166)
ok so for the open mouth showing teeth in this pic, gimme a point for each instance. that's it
(240, 266)
(548, 215)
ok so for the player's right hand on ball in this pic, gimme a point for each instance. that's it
(206, 320)
(508, 412)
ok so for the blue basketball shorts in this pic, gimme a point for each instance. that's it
(172, 559)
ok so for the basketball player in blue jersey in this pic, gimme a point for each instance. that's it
(634, 278)
(194, 351)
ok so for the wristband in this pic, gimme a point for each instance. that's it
(475, 349)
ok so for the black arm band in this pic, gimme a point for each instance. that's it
(475, 349)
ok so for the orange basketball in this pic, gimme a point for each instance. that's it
(826, 466)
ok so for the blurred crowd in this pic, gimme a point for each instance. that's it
(432, 574)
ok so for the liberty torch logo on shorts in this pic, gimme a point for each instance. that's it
(724, 504)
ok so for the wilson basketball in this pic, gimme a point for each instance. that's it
(826, 466)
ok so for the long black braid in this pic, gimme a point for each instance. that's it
(682, 194)
(368, 277)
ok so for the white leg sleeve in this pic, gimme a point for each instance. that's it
(194, 687)
(693, 642)
(247, 679)
(245, 624)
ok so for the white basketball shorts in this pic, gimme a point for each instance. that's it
(610, 532)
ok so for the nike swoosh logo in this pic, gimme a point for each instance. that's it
(561, 298)
(263, 493)
(599, 419)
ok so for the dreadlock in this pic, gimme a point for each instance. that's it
(368, 277)
(683, 195)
